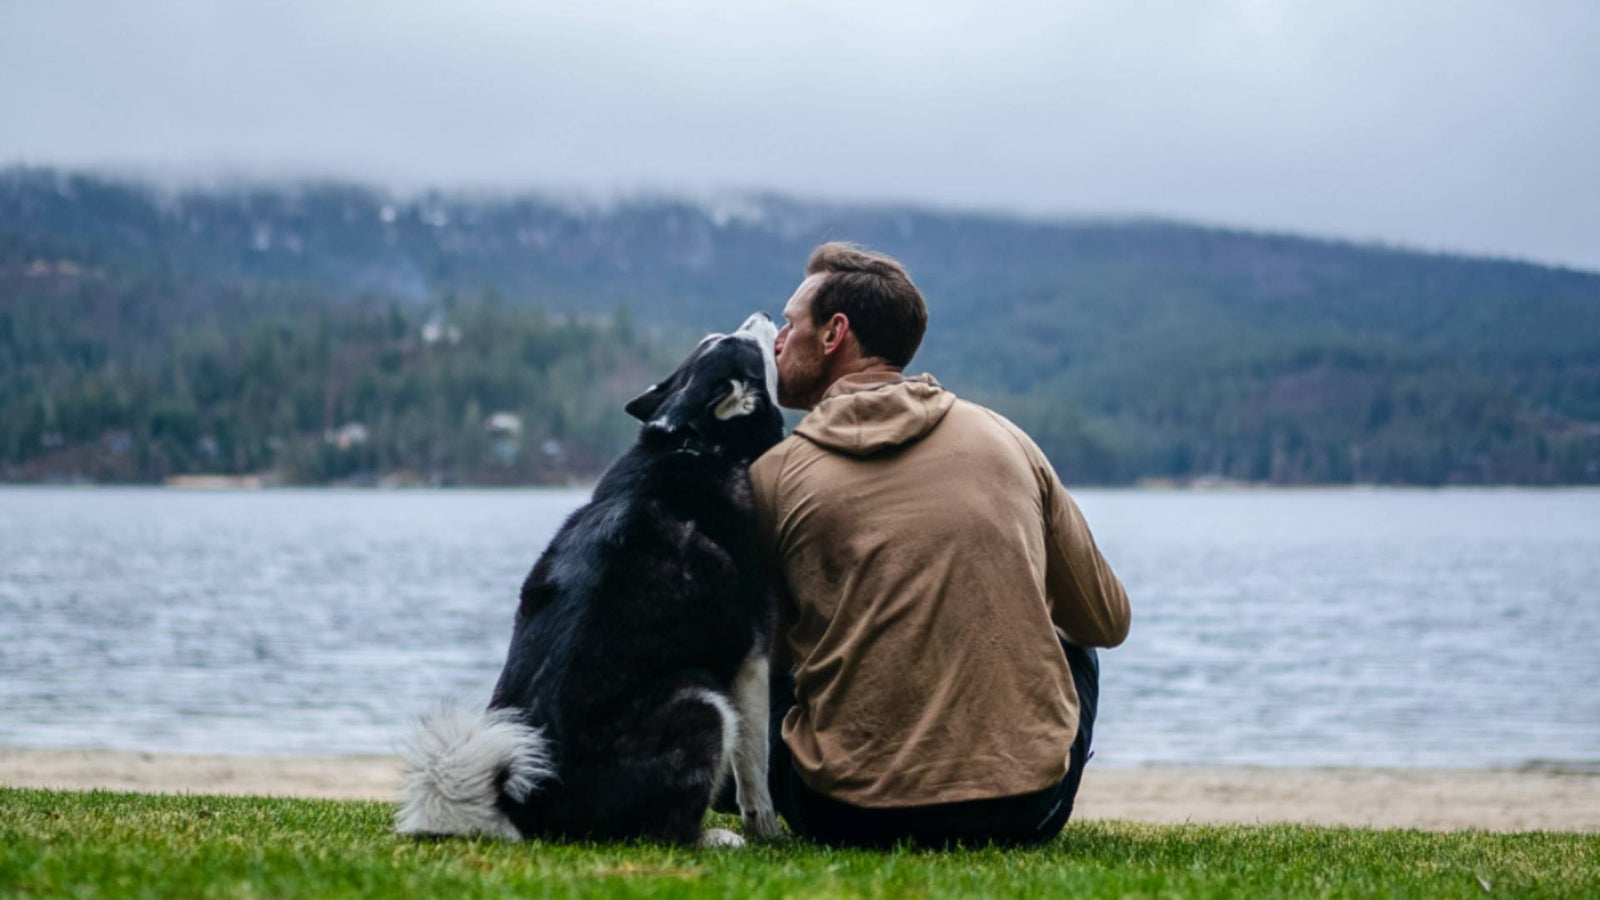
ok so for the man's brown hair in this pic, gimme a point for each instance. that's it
(885, 309)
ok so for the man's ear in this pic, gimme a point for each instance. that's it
(644, 406)
(836, 333)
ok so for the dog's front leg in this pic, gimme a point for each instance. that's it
(750, 754)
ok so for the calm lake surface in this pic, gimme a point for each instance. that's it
(1369, 628)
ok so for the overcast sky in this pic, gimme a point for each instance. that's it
(1444, 124)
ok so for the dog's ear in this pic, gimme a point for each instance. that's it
(644, 406)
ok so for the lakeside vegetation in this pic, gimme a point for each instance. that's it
(56, 843)
(330, 332)
(120, 389)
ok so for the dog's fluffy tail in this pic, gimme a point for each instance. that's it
(461, 763)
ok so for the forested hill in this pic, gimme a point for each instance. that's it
(146, 333)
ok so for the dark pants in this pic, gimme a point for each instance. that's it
(1022, 819)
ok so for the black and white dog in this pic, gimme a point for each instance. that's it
(637, 674)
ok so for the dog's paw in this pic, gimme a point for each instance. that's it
(763, 823)
(721, 838)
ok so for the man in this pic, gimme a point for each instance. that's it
(942, 588)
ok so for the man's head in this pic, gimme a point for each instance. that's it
(855, 310)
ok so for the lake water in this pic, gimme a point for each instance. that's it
(1368, 628)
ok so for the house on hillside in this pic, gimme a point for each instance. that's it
(505, 436)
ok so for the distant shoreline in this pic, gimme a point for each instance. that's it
(1429, 799)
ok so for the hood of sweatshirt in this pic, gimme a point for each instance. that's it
(869, 412)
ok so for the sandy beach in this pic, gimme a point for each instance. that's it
(1433, 799)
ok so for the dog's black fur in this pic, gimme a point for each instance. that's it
(646, 607)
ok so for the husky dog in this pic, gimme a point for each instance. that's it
(637, 674)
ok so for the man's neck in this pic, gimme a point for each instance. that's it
(864, 365)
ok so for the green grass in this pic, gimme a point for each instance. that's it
(122, 845)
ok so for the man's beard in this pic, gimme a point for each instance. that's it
(799, 385)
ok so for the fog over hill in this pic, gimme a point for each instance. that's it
(148, 332)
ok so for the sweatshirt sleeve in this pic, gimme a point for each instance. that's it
(764, 492)
(1087, 601)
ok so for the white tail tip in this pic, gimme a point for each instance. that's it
(459, 764)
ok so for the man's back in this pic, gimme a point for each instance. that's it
(932, 555)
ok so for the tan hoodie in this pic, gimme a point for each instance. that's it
(930, 555)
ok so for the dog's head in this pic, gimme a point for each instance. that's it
(723, 399)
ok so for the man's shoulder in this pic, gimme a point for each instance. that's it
(971, 421)
(764, 471)
(977, 416)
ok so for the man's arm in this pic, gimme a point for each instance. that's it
(1087, 601)
(764, 491)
